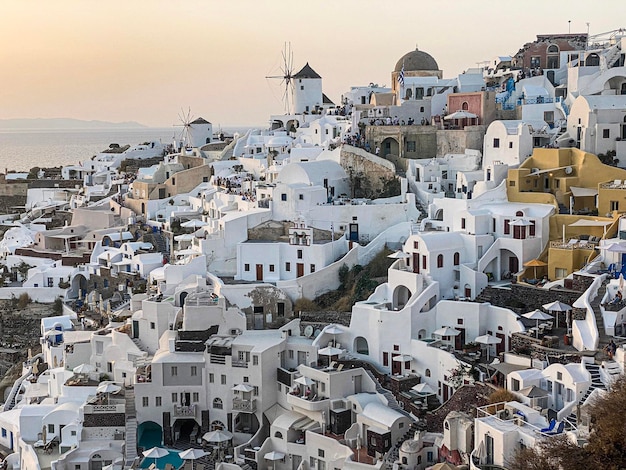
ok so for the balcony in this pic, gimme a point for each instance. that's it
(245, 406)
(182, 410)
(239, 363)
(314, 404)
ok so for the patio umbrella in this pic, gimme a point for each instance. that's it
(274, 456)
(402, 358)
(217, 436)
(460, 115)
(108, 387)
(84, 369)
(243, 387)
(399, 255)
(185, 237)
(557, 306)
(155, 453)
(446, 331)
(488, 340)
(192, 454)
(306, 381)
(330, 351)
(537, 315)
(333, 330)
(423, 388)
(535, 263)
(616, 248)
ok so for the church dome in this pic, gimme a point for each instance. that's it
(417, 61)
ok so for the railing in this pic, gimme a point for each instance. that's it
(572, 246)
(184, 410)
(239, 363)
(244, 405)
(217, 359)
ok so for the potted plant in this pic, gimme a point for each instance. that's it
(471, 347)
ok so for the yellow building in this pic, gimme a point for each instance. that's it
(582, 188)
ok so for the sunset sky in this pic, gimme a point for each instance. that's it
(145, 60)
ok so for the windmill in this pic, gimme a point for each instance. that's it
(185, 120)
(286, 76)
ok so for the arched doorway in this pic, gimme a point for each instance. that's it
(401, 296)
(217, 425)
(149, 434)
(390, 146)
(361, 346)
(184, 429)
(78, 287)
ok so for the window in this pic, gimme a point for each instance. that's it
(507, 226)
(50, 428)
(174, 397)
(246, 380)
(606, 133)
(174, 371)
(246, 267)
(559, 376)
(510, 145)
(4, 432)
(429, 456)
(421, 109)
(463, 223)
(427, 373)
(211, 378)
(457, 258)
(255, 360)
(152, 325)
(145, 402)
(424, 262)
(299, 254)
(290, 354)
(271, 268)
(320, 452)
(195, 397)
(385, 359)
(283, 197)
(194, 371)
(50, 282)
(410, 146)
(532, 229)
(301, 197)
(535, 62)
(157, 401)
(396, 347)
(560, 272)
(496, 143)
(223, 379)
(416, 245)
(512, 183)
(515, 385)
(287, 266)
(99, 347)
(255, 392)
(440, 261)
(312, 268)
(217, 404)
(174, 181)
(614, 205)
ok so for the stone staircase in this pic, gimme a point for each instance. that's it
(131, 427)
(394, 453)
(596, 382)
(159, 242)
(391, 399)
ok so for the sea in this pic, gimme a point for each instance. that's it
(23, 149)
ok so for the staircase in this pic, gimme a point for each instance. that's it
(11, 401)
(596, 382)
(131, 427)
(159, 242)
(595, 304)
(394, 453)
(391, 400)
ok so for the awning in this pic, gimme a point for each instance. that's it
(591, 223)
(582, 192)
(506, 368)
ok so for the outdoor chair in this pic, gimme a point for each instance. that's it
(559, 429)
(550, 428)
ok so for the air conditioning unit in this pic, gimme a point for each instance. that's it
(504, 414)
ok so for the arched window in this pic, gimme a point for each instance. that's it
(409, 94)
(465, 106)
(519, 214)
(592, 59)
(278, 434)
(404, 461)
(553, 49)
(457, 258)
(217, 403)
(440, 261)
(427, 373)
(446, 425)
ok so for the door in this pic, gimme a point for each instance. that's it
(357, 384)
(489, 449)
(416, 263)
(500, 348)
(259, 272)
(459, 340)
(513, 264)
(299, 269)
(186, 398)
(354, 232)
(396, 366)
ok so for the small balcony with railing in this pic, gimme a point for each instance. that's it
(181, 411)
(244, 405)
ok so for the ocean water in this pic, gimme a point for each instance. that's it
(22, 150)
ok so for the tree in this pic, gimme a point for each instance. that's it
(606, 447)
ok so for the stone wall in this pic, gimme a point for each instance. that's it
(456, 141)
(522, 298)
(358, 162)
(319, 320)
(423, 137)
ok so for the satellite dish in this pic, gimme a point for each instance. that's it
(568, 170)
(308, 331)
(317, 333)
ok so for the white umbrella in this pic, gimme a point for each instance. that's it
(273, 456)
(306, 381)
(192, 454)
(333, 330)
(108, 387)
(423, 388)
(330, 351)
(616, 248)
(194, 223)
(185, 237)
(217, 436)
(446, 331)
(242, 388)
(488, 340)
(84, 369)
(557, 306)
(399, 255)
(460, 115)
(537, 315)
(155, 453)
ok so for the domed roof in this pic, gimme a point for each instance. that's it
(416, 60)
(410, 446)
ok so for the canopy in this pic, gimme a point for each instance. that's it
(274, 455)
(616, 248)
(84, 369)
(185, 237)
(402, 358)
(243, 387)
(399, 255)
(591, 223)
(487, 339)
(582, 192)
(306, 381)
(108, 387)
(423, 388)
(446, 331)
(333, 330)
(460, 115)
(217, 436)
(194, 223)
